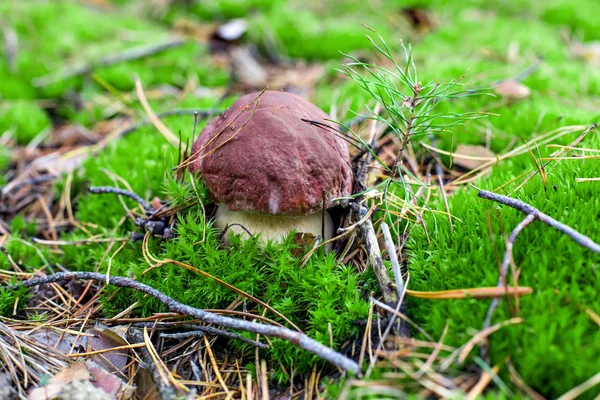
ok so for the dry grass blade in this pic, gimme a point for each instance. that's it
(475, 293)
(481, 336)
(162, 128)
(580, 389)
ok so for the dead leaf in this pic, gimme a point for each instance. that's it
(107, 338)
(145, 386)
(513, 90)
(201, 32)
(102, 379)
(61, 342)
(478, 155)
(76, 372)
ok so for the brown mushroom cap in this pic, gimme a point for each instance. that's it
(277, 163)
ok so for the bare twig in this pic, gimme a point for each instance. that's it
(382, 275)
(127, 55)
(503, 271)
(199, 331)
(389, 244)
(297, 338)
(122, 192)
(532, 215)
(525, 208)
(167, 392)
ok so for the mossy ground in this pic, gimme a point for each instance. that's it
(557, 345)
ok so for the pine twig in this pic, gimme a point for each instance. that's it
(298, 339)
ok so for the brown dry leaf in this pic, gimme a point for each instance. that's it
(76, 372)
(481, 155)
(513, 90)
(145, 386)
(102, 379)
(107, 338)
(61, 342)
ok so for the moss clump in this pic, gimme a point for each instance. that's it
(546, 347)
(24, 118)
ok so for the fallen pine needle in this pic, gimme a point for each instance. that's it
(482, 383)
(475, 293)
(168, 135)
(481, 336)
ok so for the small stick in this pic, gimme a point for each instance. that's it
(298, 339)
(134, 336)
(10, 48)
(525, 208)
(196, 114)
(390, 296)
(127, 55)
(389, 243)
(122, 192)
(532, 214)
(200, 331)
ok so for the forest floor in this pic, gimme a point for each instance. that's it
(103, 93)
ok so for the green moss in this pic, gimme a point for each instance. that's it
(24, 118)
(561, 273)
(47, 48)
(555, 346)
(303, 33)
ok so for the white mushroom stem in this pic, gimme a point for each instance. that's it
(273, 227)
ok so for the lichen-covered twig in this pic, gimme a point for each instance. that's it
(298, 339)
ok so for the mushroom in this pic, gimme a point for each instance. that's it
(270, 170)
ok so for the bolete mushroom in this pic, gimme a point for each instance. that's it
(269, 170)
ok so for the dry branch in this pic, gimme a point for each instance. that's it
(127, 55)
(525, 208)
(532, 215)
(390, 296)
(298, 339)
